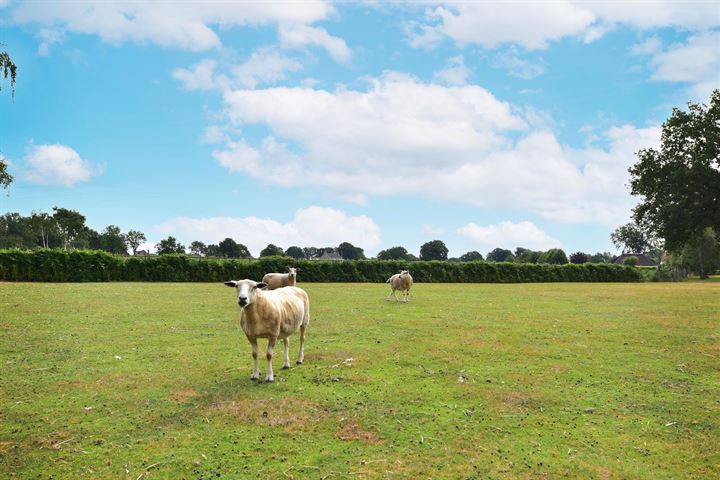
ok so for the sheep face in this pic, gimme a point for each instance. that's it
(292, 272)
(246, 291)
(404, 272)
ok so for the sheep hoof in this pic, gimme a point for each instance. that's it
(269, 379)
(285, 367)
(299, 362)
(254, 379)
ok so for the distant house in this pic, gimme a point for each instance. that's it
(643, 260)
(330, 256)
(142, 253)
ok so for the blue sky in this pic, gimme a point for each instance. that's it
(482, 124)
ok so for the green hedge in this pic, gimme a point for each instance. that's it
(96, 266)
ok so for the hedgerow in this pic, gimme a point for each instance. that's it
(51, 265)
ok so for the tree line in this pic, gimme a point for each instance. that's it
(67, 229)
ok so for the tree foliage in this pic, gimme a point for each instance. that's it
(272, 251)
(702, 253)
(295, 252)
(434, 250)
(348, 251)
(473, 256)
(579, 258)
(393, 253)
(679, 184)
(554, 256)
(631, 238)
(112, 240)
(134, 239)
(198, 248)
(8, 69)
(169, 246)
(70, 224)
(499, 255)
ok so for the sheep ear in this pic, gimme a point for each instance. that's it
(261, 285)
(231, 283)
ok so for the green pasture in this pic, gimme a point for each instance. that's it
(476, 381)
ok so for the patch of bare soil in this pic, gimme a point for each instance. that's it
(353, 431)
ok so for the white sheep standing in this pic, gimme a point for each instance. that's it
(280, 280)
(402, 281)
(272, 315)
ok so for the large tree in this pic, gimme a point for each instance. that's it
(348, 251)
(555, 255)
(433, 250)
(70, 224)
(112, 240)
(631, 238)
(295, 252)
(272, 251)
(134, 239)
(679, 184)
(229, 248)
(169, 245)
(393, 253)
(473, 256)
(499, 255)
(198, 248)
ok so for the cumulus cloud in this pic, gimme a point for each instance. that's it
(404, 137)
(300, 36)
(695, 62)
(509, 235)
(186, 25)
(456, 72)
(533, 25)
(57, 165)
(515, 65)
(264, 66)
(317, 226)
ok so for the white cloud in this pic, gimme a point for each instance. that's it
(456, 72)
(57, 165)
(186, 25)
(299, 36)
(516, 66)
(509, 235)
(533, 25)
(48, 37)
(403, 137)
(200, 76)
(648, 47)
(491, 24)
(264, 66)
(312, 226)
(695, 62)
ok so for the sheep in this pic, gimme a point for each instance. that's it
(273, 315)
(402, 281)
(279, 280)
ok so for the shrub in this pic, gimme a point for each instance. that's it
(48, 265)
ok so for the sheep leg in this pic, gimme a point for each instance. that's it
(394, 292)
(271, 346)
(286, 341)
(406, 296)
(301, 354)
(256, 370)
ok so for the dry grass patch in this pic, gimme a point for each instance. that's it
(351, 430)
(182, 396)
(293, 414)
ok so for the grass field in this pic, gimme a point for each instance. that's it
(467, 381)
